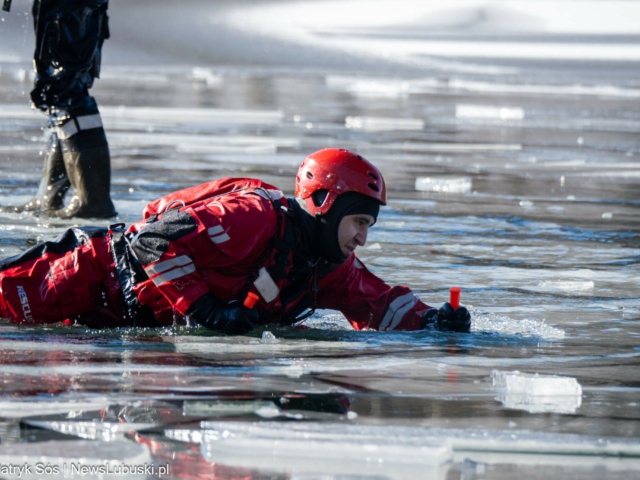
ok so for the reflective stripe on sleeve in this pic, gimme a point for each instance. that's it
(217, 234)
(215, 230)
(173, 274)
(167, 265)
(400, 313)
(220, 238)
(394, 307)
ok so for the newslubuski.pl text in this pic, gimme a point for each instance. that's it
(78, 468)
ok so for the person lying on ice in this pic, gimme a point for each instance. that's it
(198, 252)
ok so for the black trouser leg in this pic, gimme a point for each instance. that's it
(69, 39)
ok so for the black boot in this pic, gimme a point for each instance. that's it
(53, 185)
(86, 158)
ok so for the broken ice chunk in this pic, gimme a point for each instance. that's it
(268, 337)
(488, 111)
(442, 184)
(384, 123)
(537, 393)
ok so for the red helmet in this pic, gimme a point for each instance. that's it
(337, 171)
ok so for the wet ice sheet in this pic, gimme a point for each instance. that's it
(318, 450)
(394, 452)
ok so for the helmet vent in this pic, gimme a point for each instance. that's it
(319, 197)
(374, 187)
(310, 175)
(373, 175)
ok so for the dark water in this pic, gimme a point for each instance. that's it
(531, 207)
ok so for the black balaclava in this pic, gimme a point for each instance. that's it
(320, 234)
(350, 203)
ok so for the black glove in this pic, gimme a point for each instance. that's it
(447, 319)
(232, 320)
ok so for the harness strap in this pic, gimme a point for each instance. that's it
(129, 274)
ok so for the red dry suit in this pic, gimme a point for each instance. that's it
(197, 241)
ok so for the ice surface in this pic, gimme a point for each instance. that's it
(335, 70)
(63, 455)
(155, 116)
(444, 185)
(397, 88)
(537, 393)
(225, 144)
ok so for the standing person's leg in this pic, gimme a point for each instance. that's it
(69, 39)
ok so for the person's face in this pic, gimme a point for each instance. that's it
(352, 232)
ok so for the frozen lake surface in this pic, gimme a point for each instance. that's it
(509, 136)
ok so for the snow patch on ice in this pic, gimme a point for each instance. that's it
(491, 323)
(564, 286)
(444, 185)
(490, 112)
(206, 74)
(384, 123)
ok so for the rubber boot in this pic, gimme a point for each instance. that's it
(53, 185)
(86, 158)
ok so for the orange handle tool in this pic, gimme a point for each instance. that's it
(251, 299)
(454, 297)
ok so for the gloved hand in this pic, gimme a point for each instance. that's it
(447, 319)
(230, 319)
